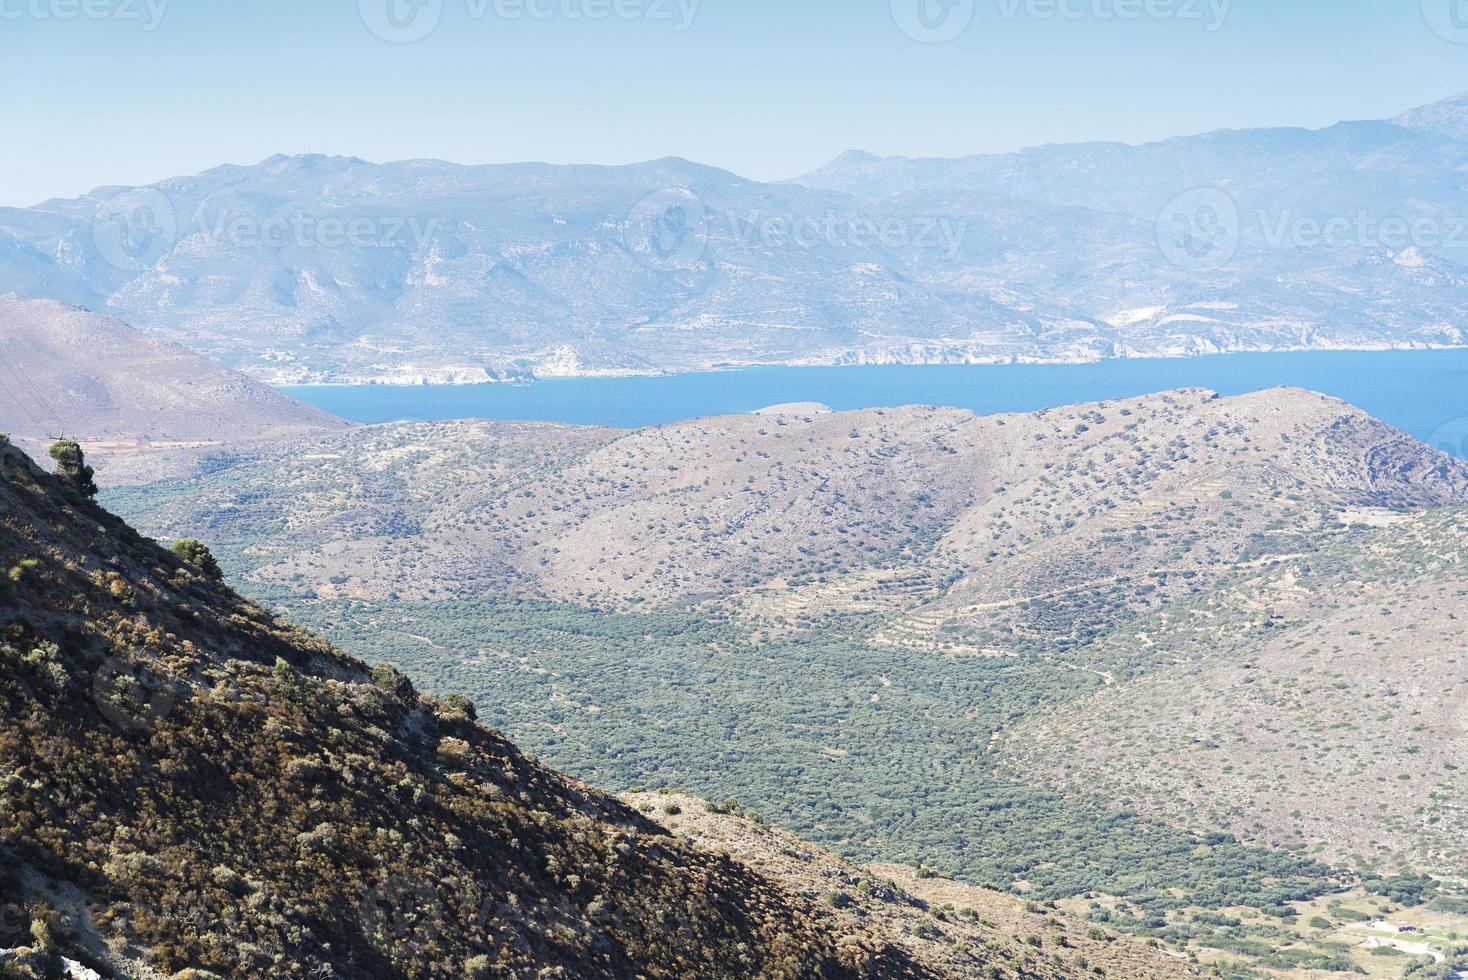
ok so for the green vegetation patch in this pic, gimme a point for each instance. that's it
(878, 753)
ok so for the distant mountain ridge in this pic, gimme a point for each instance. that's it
(334, 269)
(1446, 118)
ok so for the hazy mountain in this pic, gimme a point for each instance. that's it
(128, 397)
(1446, 118)
(334, 268)
(303, 267)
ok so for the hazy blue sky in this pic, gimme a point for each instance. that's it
(108, 91)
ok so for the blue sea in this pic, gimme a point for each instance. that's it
(1424, 393)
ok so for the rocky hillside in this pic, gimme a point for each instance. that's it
(130, 398)
(941, 923)
(191, 787)
(1321, 702)
(950, 516)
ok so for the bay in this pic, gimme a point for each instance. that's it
(1424, 393)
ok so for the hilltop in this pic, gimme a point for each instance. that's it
(780, 512)
(143, 407)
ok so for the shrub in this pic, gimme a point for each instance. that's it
(394, 682)
(462, 705)
(196, 553)
(72, 468)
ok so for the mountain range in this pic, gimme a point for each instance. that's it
(335, 269)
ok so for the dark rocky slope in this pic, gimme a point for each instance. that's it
(188, 783)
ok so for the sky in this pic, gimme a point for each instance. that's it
(132, 91)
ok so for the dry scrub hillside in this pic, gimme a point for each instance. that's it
(191, 787)
(942, 924)
(954, 517)
(1320, 702)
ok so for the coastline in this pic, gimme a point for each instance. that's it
(376, 381)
